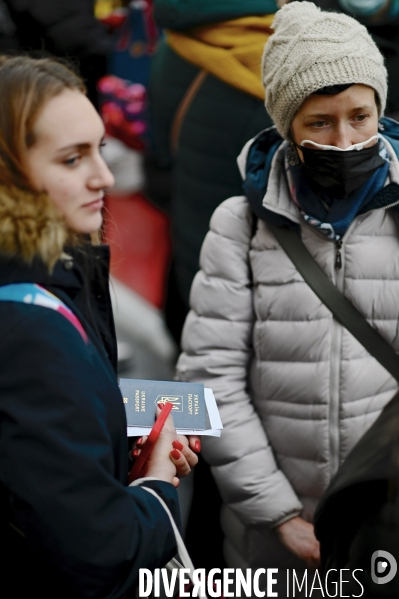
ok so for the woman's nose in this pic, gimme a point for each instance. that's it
(101, 178)
(341, 137)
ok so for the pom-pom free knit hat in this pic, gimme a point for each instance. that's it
(311, 49)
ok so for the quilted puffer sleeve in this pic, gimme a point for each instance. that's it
(217, 350)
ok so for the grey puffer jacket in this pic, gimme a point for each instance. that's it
(295, 389)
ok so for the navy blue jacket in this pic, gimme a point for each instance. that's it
(63, 446)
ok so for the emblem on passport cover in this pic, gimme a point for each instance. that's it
(141, 398)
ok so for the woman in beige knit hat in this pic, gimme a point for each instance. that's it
(295, 389)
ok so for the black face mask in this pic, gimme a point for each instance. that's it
(340, 174)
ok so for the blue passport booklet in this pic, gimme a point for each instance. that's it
(141, 398)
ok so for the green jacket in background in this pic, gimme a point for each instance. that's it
(183, 14)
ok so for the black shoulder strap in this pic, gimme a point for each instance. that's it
(343, 310)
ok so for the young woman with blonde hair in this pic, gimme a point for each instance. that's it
(70, 525)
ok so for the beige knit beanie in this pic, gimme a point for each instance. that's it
(311, 49)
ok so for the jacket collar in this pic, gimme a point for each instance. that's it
(67, 272)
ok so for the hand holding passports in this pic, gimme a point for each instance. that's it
(149, 444)
(194, 409)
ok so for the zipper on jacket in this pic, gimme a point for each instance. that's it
(338, 256)
(335, 359)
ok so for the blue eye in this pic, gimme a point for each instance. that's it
(71, 161)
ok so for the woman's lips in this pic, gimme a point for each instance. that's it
(95, 205)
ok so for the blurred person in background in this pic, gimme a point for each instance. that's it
(70, 524)
(64, 28)
(294, 389)
(206, 101)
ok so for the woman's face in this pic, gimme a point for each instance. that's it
(341, 120)
(65, 160)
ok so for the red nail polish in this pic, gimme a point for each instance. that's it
(175, 454)
(197, 446)
(139, 441)
(135, 453)
(161, 406)
(178, 445)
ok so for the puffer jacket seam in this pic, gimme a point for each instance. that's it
(279, 320)
(269, 360)
(358, 358)
(352, 417)
(203, 315)
(274, 284)
(299, 419)
(288, 402)
(299, 458)
(231, 282)
(234, 460)
(370, 279)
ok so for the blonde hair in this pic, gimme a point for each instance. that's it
(30, 223)
(26, 84)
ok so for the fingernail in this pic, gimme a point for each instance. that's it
(175, 454)
(135, 453)
(161, 406)
(177, 445)
(197, 446)
(139, 441)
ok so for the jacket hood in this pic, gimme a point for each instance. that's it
(30, 226)
(255, 163)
